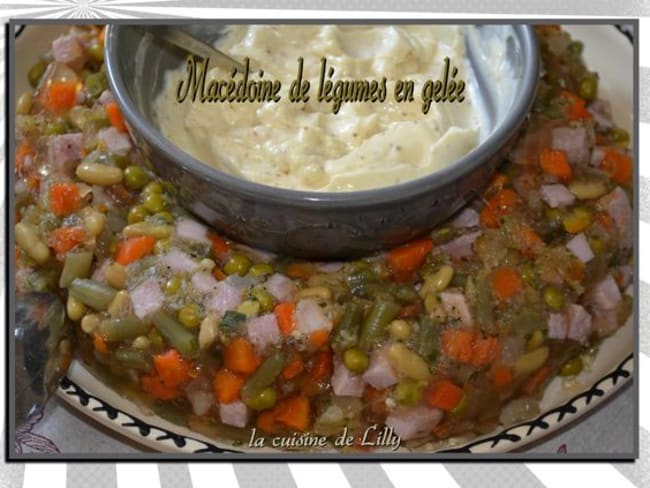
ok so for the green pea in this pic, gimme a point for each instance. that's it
(135, 177)
(189, 316)
(263, 400)
(265, 299)
(153, 187)
(572, 367)
(154, 202)
(35, 73)
(554, 298)
(442, 235)
(355, 360)
(96, 52)
(136, 214)
(528, 274)
(597, 245)
(260, 269)
(95, 84)
(162, 246)
(237, 264)
(588, 88)
(619, 136)
(55, 128)
(576, 48)
(409, 392)
(173, 285)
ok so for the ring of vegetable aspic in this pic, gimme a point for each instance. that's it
(451, 334)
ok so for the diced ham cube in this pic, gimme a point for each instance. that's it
(556, 195)
(344, 383)
(310, 317)
(467, 218)
(602, 114)
(597, 156)
(456, 307)
(191, 230)
(199, 393)
(380, 373)
(179, 261)
(264, 331)
(146, 298)
(106, 97)
(64, 151)
(225, 297)
(282, 288)
(461, 247)
(100, 272)
(618, 207)
(606, 294)
(557, 326)
(411, 423)
(115, 141)
(69, 50)
(605, 322)
(574, 142)
(579, 321)
(624, 275)
(204, 282)
(579, 246)
(235, 414)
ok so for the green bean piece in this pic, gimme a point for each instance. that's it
(35, 73)
(484, 308)
(265, 299)
(347, 330)
(91, 293)
(588, 88)
(263, 377)
(264, 399)
(133, 358)
(260, 269)
(409, 392)
(76, 265)
(428, 339)
(123, 329)
(176, 334)
(55, 128)
(135, 177)
(95, 84)
(373, 328)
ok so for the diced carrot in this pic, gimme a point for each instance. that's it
(604, 219)
(99, 343)
(531, 242)
(576, 271)
(506, 282)
(65, 198)
(64, 239)
(499, 205)
(33, 180)
(318, 338)
(172, 369)
(577, 106)
(322, 366)
(294, 412)
(409, 311)
(134, 248)
(227, 385)
(285, 315)
(499, 180)
(443, 394)
(536, 380)
(219, 274)
(154, 386)
(601, 139)
(240, 356)
(458, 344)
(301, 271)
(501, 376)
(407, 259)
(220, 246)
(115, 116)
(102, 35)
(618, 165)
(555, 162)
(293, 368)
(486, 350)
(24, 150)
(266, 422)
(61, 96)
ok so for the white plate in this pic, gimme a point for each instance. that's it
(608, 52)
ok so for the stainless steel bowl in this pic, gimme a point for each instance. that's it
(315, 224)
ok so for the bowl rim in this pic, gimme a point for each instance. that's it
(319, 200)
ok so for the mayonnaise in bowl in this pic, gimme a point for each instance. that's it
(305, 145)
